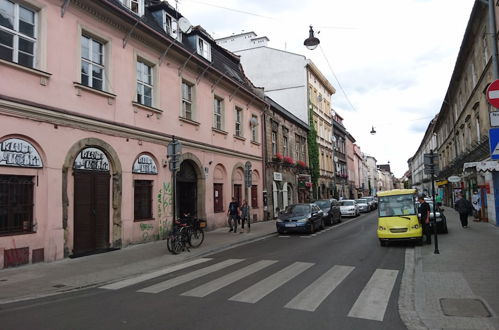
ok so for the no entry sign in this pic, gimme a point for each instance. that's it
(493, 94)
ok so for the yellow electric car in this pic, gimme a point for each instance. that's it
(398, 216)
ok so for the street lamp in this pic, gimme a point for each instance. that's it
(311, 42)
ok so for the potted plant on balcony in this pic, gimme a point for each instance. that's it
(278, 157)
(288, 160)
(301, 164)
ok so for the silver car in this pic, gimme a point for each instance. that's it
(363, 205)
(349, 207)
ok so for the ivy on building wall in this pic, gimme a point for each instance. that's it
(313, 151)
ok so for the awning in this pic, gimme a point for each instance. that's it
(491, 166)
(442, 183)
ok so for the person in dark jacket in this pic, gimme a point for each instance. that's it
(424, 211)
(464, 208)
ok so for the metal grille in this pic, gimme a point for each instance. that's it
(16, 204)
(398, 230)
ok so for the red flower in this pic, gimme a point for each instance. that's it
(278, 156)
(301, 163)
(289, 160)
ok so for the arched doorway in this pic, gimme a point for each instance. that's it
(187, 189)
(91, 173)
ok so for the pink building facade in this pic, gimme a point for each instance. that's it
(88, 106)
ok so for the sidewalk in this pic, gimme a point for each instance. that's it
(45, 279)
(458, 288)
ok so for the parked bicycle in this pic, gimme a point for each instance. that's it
(187, 232)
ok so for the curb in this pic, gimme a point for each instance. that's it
(407, 294)
(191, 256)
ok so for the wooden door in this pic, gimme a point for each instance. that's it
(91, 211)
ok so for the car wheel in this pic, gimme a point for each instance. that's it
(339, 219)
(383, 243)
(280, 231)
(419, 241)
(322, 225)
(312, 228)
(444, 229)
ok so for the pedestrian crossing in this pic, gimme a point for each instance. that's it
(371, 304)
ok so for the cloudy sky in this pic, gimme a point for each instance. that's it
(389, 60)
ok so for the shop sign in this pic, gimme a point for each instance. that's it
(277, 176)
(144, 164)
(91, 159)
(454, 179)
(19, 153)
(442, 183)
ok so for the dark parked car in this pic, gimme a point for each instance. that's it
(441, 219)
(304, 217)
(331, 209)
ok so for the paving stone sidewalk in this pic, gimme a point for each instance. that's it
(45, 279)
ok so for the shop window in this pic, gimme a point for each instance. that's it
(142, 200)
(16, 204)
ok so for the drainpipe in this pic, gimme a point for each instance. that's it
(493, 36)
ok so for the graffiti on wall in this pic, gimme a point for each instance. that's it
(147, 231)
(164, 201)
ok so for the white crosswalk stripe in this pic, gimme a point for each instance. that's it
(212, 286)
(373, 300)
(371, 304)
(189, 276)
(145, 277)
(313, 295)
(259, 290)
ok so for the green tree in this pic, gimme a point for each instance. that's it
(313, 153)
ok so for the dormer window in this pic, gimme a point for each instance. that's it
(170, 26)
(137, 6)
(203, 49)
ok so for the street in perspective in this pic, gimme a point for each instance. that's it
(249, 165)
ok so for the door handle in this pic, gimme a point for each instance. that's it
(93, 212)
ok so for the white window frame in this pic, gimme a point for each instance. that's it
(285, 146)
(140, 6)
(187, 101)
(274, 142)
(141, 84)
(254, 131)
(238, 121)
(218, 113)
(203, 48)
(91, 63)
(17, 34)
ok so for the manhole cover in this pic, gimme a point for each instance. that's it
(464, 307)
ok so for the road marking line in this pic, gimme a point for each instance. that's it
(189, 276)
(313, 295)
(259, 290)
(145, 277)
(221, 282)
(373, 300)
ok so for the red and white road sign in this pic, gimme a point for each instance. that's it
(493, 94)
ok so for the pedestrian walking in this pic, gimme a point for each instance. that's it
(464, 208)
(477, 205)
(424, 211)
(233, 214)
(245, 215)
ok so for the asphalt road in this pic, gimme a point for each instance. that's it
(338, 278)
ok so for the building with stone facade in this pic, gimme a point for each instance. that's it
(286, 159)
(94, 96)
(461, 128)
(340, 157)
(372, 174)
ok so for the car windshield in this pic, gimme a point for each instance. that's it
(347, 203)
(398, 205)
(323, 204)
(361, 201)
(297, 210)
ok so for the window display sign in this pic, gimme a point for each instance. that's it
(144, 164)
(91, 159)
(19, 153)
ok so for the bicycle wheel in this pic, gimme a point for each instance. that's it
(196, 237)
(174, 243)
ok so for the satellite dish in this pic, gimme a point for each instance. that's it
(184, 25)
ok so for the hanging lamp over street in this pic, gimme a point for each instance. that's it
(311, 42)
